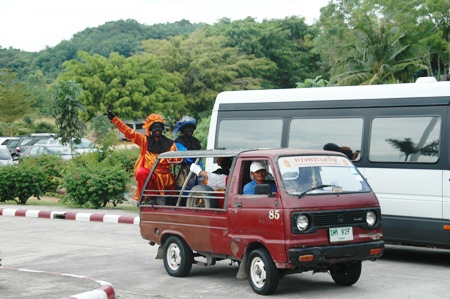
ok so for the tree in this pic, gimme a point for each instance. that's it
(37, 87)
(15, 100)
(66, 109)
(134, 87)
(363, 47)
(207, 66)
(317, 82)
(286, 42)
(376, 54)
(428, 24)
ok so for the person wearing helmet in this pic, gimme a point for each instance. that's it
(183, 133)
(258, 172)
(151, 145)
(184, 140)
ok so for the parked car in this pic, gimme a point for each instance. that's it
(84, 147)
(12, 145)
(10, 142)
(5, 156)
(48, 149)
(5, 140)
(32, 139)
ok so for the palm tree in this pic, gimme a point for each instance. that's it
(376, 53)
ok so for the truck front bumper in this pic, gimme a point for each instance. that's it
(319, 257)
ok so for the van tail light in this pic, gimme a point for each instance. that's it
(376, 251)
(306, 258)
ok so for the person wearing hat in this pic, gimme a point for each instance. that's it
(185, 141)
(258, 172)
(151, 145)
(183, 133)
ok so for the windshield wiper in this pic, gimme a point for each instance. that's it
(314, 188)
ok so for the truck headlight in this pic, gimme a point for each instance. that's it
(371, 218)
(302, 222)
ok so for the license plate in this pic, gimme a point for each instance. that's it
(339, 234)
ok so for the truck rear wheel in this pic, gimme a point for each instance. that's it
(178, 257)
(263, 275)
(346, 274)
(201, 199)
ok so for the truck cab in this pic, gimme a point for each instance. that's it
(321, 216)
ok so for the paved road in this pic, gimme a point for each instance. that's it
(116, 253)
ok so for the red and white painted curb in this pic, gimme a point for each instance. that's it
(104, 291)
(77, 216)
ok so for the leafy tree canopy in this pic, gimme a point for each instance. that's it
(207, 66)
(133, 87)
(15, 100)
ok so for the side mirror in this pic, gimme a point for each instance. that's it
(263, 189)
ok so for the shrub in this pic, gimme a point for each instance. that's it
(125, 157)
(19, 183)
(96, 184)
(51, 165)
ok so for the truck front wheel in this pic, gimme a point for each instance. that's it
(346, 274)
(263, 275)
(178, 257)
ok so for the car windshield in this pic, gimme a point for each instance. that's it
(317, 174)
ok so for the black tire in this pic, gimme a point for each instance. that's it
(262, 273)
(346, 274)
(178, 257)
(197, 199)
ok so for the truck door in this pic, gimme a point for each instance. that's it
(255, 218)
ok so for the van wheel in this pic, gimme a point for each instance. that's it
(197, 199)
(178, 257)
(346, 274)
(263, 275)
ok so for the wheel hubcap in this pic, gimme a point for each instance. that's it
(258, 272)
(173, 256)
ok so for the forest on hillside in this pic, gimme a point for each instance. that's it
(179, 68)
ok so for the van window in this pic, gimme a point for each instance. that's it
(315, 133)
(405, 139)
(248, 133)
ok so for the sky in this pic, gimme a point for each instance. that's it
(31, 25)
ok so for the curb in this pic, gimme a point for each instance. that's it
(77, 216)
(104, 291)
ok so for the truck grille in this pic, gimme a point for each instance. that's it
(339, 218)
(318, 220)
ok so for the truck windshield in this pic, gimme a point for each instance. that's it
(316, 174)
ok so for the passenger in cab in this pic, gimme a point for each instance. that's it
(258, 172)
(151, 145)
(342, 149)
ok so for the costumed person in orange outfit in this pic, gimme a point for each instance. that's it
(151, 145)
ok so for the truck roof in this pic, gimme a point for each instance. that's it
(243, 153)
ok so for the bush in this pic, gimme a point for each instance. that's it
(19, 183)
(51, 165)
(125, 157)
(96, 184)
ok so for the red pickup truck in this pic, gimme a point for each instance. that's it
(323, 217)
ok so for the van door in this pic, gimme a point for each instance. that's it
(256, 218)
